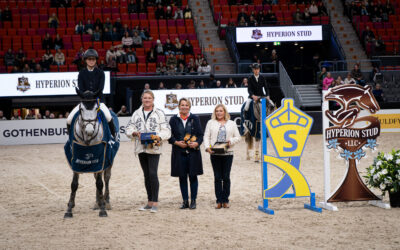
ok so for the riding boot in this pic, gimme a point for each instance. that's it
(112, 128)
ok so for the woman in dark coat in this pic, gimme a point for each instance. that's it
(186, 157)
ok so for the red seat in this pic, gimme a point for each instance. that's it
(151, 67)
(142, 67)
(132, 68)
(122, 67)
(63, 68)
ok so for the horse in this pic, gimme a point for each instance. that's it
(250, 126)
(87, 132)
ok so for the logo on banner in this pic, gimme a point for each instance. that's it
(257, 34)
(351, 134)
(171, 101)
(288, 128)
(23, 84)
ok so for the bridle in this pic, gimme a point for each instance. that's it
(83, 123)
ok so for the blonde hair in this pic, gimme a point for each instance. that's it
(227, 115)
(186, 100)
(147, 91)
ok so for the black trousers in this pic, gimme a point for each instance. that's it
(222, 165)
(149, 164)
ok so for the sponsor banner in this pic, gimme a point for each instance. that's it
(203, 100)
(43, 84)
(279, 34)
(389, 119)
(44, 131)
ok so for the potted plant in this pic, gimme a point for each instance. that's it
(384, 174)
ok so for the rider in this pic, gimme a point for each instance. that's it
(257, 85)
(91, 80)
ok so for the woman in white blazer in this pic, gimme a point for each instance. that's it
(221, 129)
(148, 119)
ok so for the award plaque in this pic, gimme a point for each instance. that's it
(220, 147)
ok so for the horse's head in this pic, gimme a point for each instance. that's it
(368, 101)
(88, 113)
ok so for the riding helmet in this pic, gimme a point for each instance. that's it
(90, 53)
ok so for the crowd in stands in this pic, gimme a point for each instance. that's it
(355, 76)
(32, 115)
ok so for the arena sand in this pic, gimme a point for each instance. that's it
(35, 188)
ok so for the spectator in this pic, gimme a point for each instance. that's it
(141, 6)
(199, 60)
(123, 111)
(339, 81)
(168, 13)
(181, 69)
(367, 36)
(218, 84)
(47, 42)
(187, 12)
(192, 84)
(32, 64)
(191, 67)
(16, 116)
(118, 25)
(380, 46)
(171, 61)
(131, 56)
(107, 35)
(161, 86)
(321, 9)
(364, 11)
(252, 21)
(178, 14)
(307, 16)
(52, 116)
(171, 70)
(159, 48)
(58, 42)
(243, 15)
(21, 62)
(111, 59)
(144, 34)
(132, 7)
(274, 56)
(260, 17)
(46, 114)
(313, 9)
(187, 48)
(378, 93)
(121, 55)
(53, 21)
(159, 13)
(356, 72)
(39, 116)
(151, 56)
(9, 58)
(80, 4)
(59, 58)
(127, 41)
(20, 55)
(15, 69)
(79, 28)
(60, 116)
(66, 114)
(178, 86)
(30, 115)
(98, 24)
(38, 68)
(204, 68)
(137, 40)
(202, 85)
(78, 56)
(212, 83)
(327, 81)
(242, 22)
(349, 79)
(178, 47)
(321, 76)
(97, 34)
(161, 69)
(26, 68)
(245, 83)
(6, 15)
(124, 30)
(147, 86)
(181, 59)
(107, 24)
(169, 48)
(89, 27)
(298, 17)
(231, 83)
(2, 117)
(101, 66)
(48, 56)
(115, 35)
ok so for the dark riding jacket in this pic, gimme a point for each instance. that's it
(257, 88)
(91, 80)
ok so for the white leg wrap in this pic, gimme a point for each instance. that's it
(246, 108)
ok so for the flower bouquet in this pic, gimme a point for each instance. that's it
(384, 174)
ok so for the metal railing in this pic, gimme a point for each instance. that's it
(342, 65)
(241, 66)
(287, 86)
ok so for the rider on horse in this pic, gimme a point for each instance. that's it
(91, 83)
(257, 86)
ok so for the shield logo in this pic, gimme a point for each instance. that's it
(23, 84)
(171, 101)
(257, 34)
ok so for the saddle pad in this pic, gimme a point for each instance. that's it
(88, 159)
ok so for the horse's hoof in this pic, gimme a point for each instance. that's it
(96, 206)
(67, 215)
(103, 214)
(108, 206)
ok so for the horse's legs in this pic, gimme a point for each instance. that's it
(99, 186)
(71, 203)
(249, 142)
(257, 151)
(107, 176)
(96, 204)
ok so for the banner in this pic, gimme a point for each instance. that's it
(388, 118)
(203, 100)
(279, 34)
(43, 84)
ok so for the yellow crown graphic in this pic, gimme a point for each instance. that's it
(289, 127)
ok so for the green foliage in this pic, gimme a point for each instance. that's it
(384, 173)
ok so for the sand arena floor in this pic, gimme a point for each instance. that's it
(35, 188)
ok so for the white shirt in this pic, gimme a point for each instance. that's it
(257, 77)
(184, 121)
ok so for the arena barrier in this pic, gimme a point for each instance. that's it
(351, 134)
(288, 127)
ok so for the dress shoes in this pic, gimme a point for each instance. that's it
(218, 206)
(192, 204)
(185, 204)
(225, 205)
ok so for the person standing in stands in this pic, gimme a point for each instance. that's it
(186, 137)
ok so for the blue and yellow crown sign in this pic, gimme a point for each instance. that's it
(288, 128)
